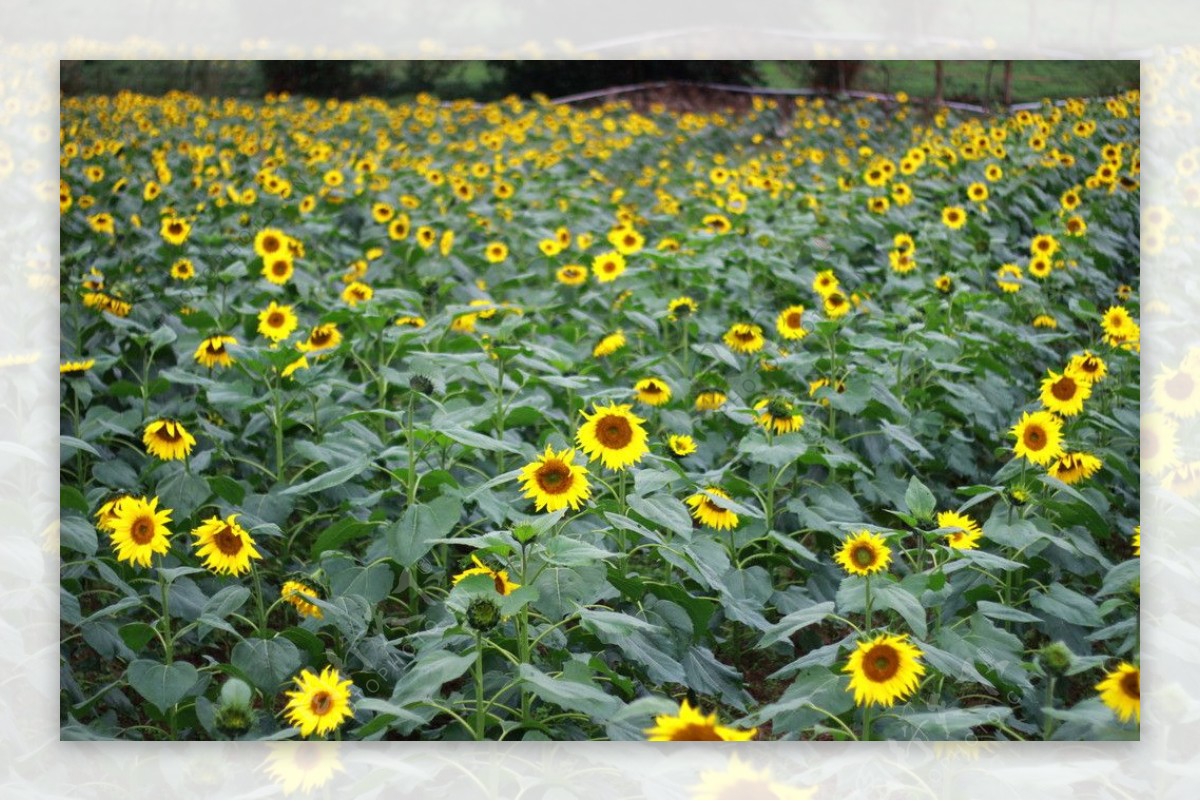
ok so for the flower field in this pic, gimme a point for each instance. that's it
(525, 421)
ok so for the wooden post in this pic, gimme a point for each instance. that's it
(938, 80)
(1008, 80)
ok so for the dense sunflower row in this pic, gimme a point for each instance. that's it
(525, 420)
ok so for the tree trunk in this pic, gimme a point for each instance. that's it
(1008, 81)
(938, 76)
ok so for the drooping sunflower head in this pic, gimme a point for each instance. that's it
(167, 439)
(681, 444)
(1089, 366)
(106, 515)
(300, 595)
(691, 725)
(744, 338)
(499, 577)
(864, 553)
(789, 323)
(652, 391)
(1039, 437)
(553, 481)
(1071, 468)
(778, 414)
(681, 307)
(965, 532)
(710, 400)
(836, 305)
(708, 511)
(614, 435)
(609, 345)
(571, 275)
(213, 352)
(322, 337)
(884, 670)
(225, 546)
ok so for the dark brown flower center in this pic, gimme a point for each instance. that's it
(1131, 684)
(793, 320)
(1035, 438)
(270, 244)
(175, 229)
(863, 555)
(744, 335)
(554, 477)
(652, 388)
(1064, 388)
(319, 337)
(276, 319)
(614, 432)
(881, 663)
(498, 581)
(142, 530)
(696, 732)
(280, 268)
(227, 541)
(321, 703)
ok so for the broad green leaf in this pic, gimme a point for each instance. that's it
(267, 663)
(413, 535)
(332, 478)
(576, 696)
(162, 685)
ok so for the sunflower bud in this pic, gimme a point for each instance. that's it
(483, 614)
(234, 715)
(1058, 656)
(420, 383)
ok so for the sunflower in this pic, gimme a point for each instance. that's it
(278, 269)
(967, 536)
(710, 400)
(692, 724)
(682, 306)
(1087, 366)
(681, 444)
(399, 227)
(106, 515)
(607, 266)
(175, 230)
(320, 704)
(73, 367)
(382, 212)
(212, 351)
(446, 243)
(789, 323)
(277, 322)
(954, 217)
(183, 270)
(298, 364)
(553, 481)
(1008, 278)
(1045, 321)
(139, 530)
(652, 391)
(901, 262)
(1064, 394)
(498, 577)
(744, 338)
(1039, 437)
(1043, 245)
(825, 283)
(225, 547)
(609, 345)
(709, 512)
(1071, 468)
(1136, 542)
(322, 337)
(571, 275)
(993, 173)
(1040, 267)
(778, 414)
(412, 321)
(863, 554)
(1116, 323)
(357, 292)
(1177, 391)
(1121, 692)
(295, 592)
(496, 252)
(944, 283)
(168, 440)
(102, 223)
(627, 241)
(1076, 226)
(613, 435)
(884, 670)
(270, 242)
(716, 223)
(836, 305)
(977, 192)
(550, 247)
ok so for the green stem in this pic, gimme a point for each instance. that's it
(523, 645)
(278, 415)
(168, 640)
(866, 723)
(1048, 724)
(867, 613)
(500, 412)
(258, 597)
(412, 457)
(480, 709)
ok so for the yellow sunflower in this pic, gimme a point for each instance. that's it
(1117, 323)
(681, 444)
(836, 305)
(278, 269)
(1121, 691)
(1136, 542)
(298, 594)
(607, 266)
(320, 703)
(1088, 365)
(399, 227)
(943, 283)
(652, 391)
(744, 338)
(609, 345)
(183, 270)
(357, 292)
(1045, 321)
(627, 241)
(571, 275)
(789, 323)
(102, 223)
(175, 230)
(322, 337)
(139, 530)
(692, 724)
(225, 546)
(710, 400)
(277, 322)
(106, 515)
(825, 283)
(709, 512)
(614, 435)
(410, 320)
(1065, 393)
(212, 351)
(717, 223)
(553, 481)
(1008, 278)
(954, 217)
(496, 252)
(74, 367)
(864, 553)
(1071, 468)
(967, 536)
(682, 306)
(167, 439)
(1039, 437)
(499, 577)
(778, 414)
(270, 242)
(884, 670)
(1043, 245)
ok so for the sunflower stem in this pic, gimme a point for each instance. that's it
(499, 425)
(866, 736)
(480, 709)
(278, 420)
(258, 597)
(168, 640)
(867, 603)
(412, 457)
(523, 644)
(1048, 725)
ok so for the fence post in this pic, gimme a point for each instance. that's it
(937, 78)
(1008, 81)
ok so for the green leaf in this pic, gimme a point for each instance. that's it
(792, 623)
(427, 673)
(267, 663)
(78, 535)
(227, 489)
(476, 440)
(341, 532)
(78, 444)
(919, 500)
(1066, 605)
(162, 685)
(332, 478)
(951, 724)
(576, 696)
(136, 635)
(666, 511)
(1001, 612)
(414, 534)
